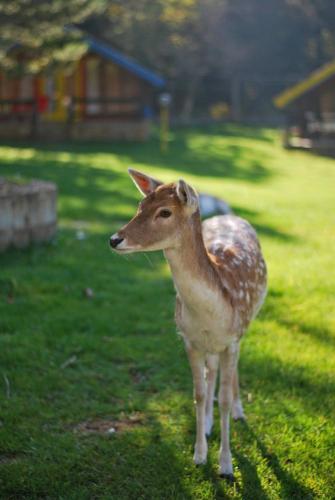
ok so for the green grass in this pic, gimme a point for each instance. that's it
(126, 358)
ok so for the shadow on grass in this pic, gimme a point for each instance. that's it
(250, 487)
(290, 488)
(263, 229)
(271, 378)
(85, 193)
(200, 156)
(251, 484)
(91, 193)
(198, 152)
(232, 130)
(96, 194)
(275, 307)
(144, 466)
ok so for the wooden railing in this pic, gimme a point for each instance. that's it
(323, 123)
(89, 107)
(105, 108)
(30, 111)
(14, 107)
(20, 110)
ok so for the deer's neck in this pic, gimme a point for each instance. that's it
(192, 270)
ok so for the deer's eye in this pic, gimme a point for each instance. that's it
(164, 213)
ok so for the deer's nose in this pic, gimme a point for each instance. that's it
(114, 241)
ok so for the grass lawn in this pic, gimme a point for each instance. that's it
(73, 367)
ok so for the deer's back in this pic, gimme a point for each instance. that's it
(235, 250)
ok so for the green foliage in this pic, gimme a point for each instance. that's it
(36, 28)
(199, 45)
(320, 17)
(67, 359)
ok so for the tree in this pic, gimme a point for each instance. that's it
(191, 42)
(320, 17)
(39, 26)
(180, 38)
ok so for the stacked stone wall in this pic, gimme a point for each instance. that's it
(28, 213)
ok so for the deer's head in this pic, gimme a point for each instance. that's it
(161, 216)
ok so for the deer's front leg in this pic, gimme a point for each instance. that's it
(197, 362)
(212, 364)
(228, 363)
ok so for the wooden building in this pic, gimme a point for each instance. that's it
(105, 95)
(309, 107)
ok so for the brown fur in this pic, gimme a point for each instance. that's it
(220, 279)
(223, 251)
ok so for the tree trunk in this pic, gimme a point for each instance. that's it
(188, 106)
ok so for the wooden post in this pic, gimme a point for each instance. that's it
(235, 98)
(34, 119)
(70, 105)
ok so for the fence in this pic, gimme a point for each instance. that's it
(105, 108)
(104, 118)
(244, 98)
(19, 111)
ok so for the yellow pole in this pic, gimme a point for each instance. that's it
(164, 129)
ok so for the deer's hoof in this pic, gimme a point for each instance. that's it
(200, 457)
(200, 453)
(241, 418)
(199, 460)
(237, 410)
(226, 466)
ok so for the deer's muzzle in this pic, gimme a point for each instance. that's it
(115, 240)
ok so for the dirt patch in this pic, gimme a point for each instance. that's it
(9, 458)
(110, 426)
(136, 376)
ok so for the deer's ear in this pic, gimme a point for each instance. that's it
(143, 182)
(187, 195)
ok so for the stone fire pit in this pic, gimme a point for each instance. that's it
(27, 213)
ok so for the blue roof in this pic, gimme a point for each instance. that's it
(126, 63)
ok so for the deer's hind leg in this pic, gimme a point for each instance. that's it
(237, 408)
(228, 363)
(212, 365)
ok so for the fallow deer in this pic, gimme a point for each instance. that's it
(220, 279)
